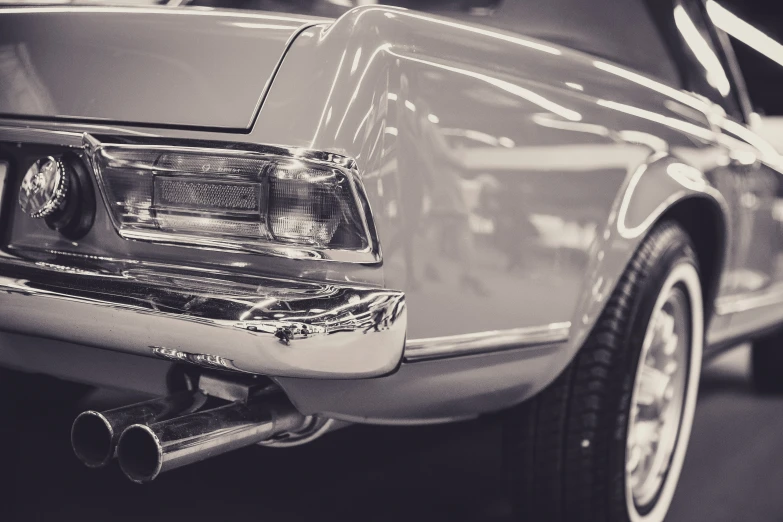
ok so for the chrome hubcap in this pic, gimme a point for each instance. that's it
(658, 398)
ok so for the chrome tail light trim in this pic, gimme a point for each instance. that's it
(20, 131)
(93, 145)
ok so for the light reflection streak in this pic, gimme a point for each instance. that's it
(252, 25)
(372, 149)
(492, 34)
(509, 87)
(327, 105)
(644, 138)
(530, 44)
(380, 48)
(623, 212)
(356, 58)
(674, 123)
(690, 113)
(644, 81)
(553, 158)
(546, 121)
(481, 137)
(716, 76)
(688, 177)
(744, 32)
(361, 123)
(768, 151)
(201, 11)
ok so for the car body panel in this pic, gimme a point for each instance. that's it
(151, 66)
(609, 158)
(511, 180)
(560, 157)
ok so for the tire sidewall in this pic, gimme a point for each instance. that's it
(675, 266)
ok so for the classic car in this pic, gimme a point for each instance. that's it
(286, 218)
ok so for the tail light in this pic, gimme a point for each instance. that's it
(295, 204)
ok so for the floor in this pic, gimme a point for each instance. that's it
(734, 471)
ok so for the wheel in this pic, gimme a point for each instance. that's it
(606, 441)
(766, 363)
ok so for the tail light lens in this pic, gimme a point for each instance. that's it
(231, 199)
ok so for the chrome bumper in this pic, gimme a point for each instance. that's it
(257, 325)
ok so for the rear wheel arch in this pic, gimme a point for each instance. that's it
(566, 448)
(704, 220)
(702, 214)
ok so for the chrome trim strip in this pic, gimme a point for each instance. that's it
(745, 302)
(257, 325)
(20, 133)
(485, 342)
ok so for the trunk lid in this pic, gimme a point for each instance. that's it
(152, 66)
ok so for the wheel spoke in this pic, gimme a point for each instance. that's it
(671, 344)
(652, 386)
(657, 400)
(665, 325)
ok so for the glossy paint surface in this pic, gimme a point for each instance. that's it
(510, 182)
(504, 196)
(153, 66)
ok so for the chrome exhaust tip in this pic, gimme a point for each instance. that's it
(94, 435)
(146, 451)
(140, 454)
(92, 439)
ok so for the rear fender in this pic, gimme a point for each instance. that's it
(648, 194)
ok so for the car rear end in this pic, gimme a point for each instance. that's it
(139, 218)
(135, 218)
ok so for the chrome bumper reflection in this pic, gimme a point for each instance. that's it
(265, 326)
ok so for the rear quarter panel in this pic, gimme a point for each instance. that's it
(510, 180)
(495, 164)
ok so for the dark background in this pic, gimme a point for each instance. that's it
(451, 473)
(763, 76)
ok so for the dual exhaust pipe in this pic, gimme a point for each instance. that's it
(162, 434)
